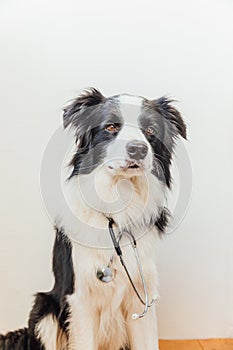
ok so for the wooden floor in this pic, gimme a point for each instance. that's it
(208, 344)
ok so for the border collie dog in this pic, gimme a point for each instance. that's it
(104, 251)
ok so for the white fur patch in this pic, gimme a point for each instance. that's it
(133, 201)
(130, 107)
(46, 331)
(101, 314)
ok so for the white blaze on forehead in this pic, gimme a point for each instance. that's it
(130, 107)
(131, 132)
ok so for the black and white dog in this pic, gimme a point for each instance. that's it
(116, 190)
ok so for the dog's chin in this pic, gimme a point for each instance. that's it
(128, 169)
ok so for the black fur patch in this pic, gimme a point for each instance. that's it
(88, 115)
(17, 340)
(62, 266)
(165, 108)
(89, 98)
(54, 302)
(163, 220)
(168, 124)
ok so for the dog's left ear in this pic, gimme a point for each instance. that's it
(74, 112)
(171, 114)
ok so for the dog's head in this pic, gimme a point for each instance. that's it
(128, 136)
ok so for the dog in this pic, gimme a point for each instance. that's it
(104, 258)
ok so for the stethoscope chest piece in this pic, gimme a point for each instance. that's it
(104, 274)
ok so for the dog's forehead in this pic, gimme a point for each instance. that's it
(130, 107)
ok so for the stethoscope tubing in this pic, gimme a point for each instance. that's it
(116, 243)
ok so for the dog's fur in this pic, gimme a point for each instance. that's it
(81, 312)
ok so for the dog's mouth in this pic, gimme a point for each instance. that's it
(130, 167)
(133, 164)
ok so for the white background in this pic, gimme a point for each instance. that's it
(52, 49)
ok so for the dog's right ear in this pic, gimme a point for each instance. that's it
(90, 97)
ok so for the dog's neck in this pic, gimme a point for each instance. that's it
(133, 203)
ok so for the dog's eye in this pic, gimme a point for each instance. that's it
(111, 128)
(150, 130)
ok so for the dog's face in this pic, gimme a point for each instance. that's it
(128, 135)
(130, 154)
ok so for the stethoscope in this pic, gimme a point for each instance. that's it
(116, 243)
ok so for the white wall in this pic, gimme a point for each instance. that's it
(52, 49)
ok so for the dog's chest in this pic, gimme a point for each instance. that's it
(87, 261)
(106, 307)
(98, 305)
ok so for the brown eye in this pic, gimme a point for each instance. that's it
(111, 128)
(150, 130)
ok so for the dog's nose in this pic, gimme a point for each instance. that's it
(137, 149)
